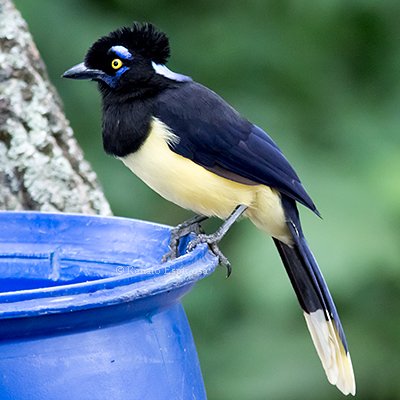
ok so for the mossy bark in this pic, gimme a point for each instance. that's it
(41, 165)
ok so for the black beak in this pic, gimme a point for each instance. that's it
(80, 71)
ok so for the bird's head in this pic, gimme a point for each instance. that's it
(128, 59)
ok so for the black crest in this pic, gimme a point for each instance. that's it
(141, 38)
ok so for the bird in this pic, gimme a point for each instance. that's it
(194, 149)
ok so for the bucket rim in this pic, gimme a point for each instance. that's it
(126, 287)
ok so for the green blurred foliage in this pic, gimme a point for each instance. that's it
(323, 79)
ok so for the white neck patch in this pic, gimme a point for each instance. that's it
(164, 71)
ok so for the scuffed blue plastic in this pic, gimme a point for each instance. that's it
(87, 310)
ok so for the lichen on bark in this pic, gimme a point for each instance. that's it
(41, 165)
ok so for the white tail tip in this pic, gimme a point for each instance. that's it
(335, 359)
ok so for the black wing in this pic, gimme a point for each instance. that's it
(215, 136)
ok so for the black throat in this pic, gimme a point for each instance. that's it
(127, 117)
(125, 126)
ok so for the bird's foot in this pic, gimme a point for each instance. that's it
(181, 230)
(215, 238)
(212, 241)
(193, 225)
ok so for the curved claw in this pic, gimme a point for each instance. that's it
(222, 259)
(173, 252)
(199, 239)
(177, 233)
(213, 244)
(170, 255)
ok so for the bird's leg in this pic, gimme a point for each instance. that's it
(213, 239)
(181, 230)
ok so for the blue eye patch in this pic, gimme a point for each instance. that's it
(122, 52)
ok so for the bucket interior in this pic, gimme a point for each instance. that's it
(17, 284)
(47, 250)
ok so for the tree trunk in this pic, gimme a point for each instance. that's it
(41, 164)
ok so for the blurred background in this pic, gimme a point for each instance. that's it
(322, 78)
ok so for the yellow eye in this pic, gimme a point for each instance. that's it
(116, 63)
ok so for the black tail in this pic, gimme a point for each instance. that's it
(319, 310)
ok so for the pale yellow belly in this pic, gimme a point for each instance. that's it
(192, 187)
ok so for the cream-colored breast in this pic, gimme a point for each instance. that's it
(193, 187)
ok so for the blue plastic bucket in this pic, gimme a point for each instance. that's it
(87, 310)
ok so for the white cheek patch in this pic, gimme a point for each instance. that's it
(164, 71)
